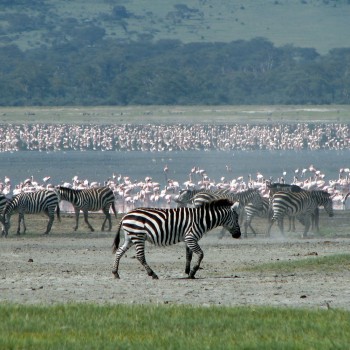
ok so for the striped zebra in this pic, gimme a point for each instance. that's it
(170, 226)
(299, 204)
(243, 198)
(251, 211)
(92, 199)
(185, 196)
(32, 203)
(3, 201)
(282, 187)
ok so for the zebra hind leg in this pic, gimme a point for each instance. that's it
(188, 260)
(119, 253)
(140, 255)
(20, 219)
(51, 216)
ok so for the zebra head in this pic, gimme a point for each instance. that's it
(185, 197)
(231, 223)
(325, 199)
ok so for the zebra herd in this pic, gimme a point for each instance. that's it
(210, 209)
(197, 212)
(47, 201)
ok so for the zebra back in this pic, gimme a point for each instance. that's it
(92, 199)
(32, 202)
(282, 187)
(244, 197)
(296, 203)
(186, 196)
(169, 226)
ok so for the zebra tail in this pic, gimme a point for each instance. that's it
(116, 239)
(58, 212)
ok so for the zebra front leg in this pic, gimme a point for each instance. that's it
(21, 218)
(140, 255)
(195, 248)
(188, 260)
(281, 226)
(307, 225)
(269, 228)
(86, 214)
(77, 212)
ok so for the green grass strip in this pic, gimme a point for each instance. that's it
(337, 262)
(87, 326)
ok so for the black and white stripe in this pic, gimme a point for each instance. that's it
(299, 204)
(251, 211)
(170, 226)
(283, 187)
(185, 197)
(32, 203)
(243, 197)
(3, 201)
(92, 199)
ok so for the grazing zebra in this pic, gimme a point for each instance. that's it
(170, 226)
(299, 204)
(92, 199)
(32, 203)
(251, 211)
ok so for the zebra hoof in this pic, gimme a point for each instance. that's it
(154, 276)
(116, 275)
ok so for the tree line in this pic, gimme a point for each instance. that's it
(94, 71)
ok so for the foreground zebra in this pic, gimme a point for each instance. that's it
(170, 226)
(31, 203)
(301, 205)
(92, 199)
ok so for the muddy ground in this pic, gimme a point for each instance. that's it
(67, 266)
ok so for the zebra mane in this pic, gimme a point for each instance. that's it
(281, 186)
(222, 202)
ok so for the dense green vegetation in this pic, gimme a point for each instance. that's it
(87, 326)
(126, 52)
(172, 73)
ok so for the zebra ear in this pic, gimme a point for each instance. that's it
(235, 206)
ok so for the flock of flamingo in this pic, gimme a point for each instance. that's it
(174, 137)
(131, 193)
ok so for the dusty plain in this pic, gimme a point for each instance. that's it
(67, 266)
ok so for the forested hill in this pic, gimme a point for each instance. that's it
(152, 52)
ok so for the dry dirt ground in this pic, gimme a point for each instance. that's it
(67, 266)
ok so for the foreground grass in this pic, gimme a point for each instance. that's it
(338, 262)
(86, 326)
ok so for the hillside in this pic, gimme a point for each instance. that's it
(321, 24)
